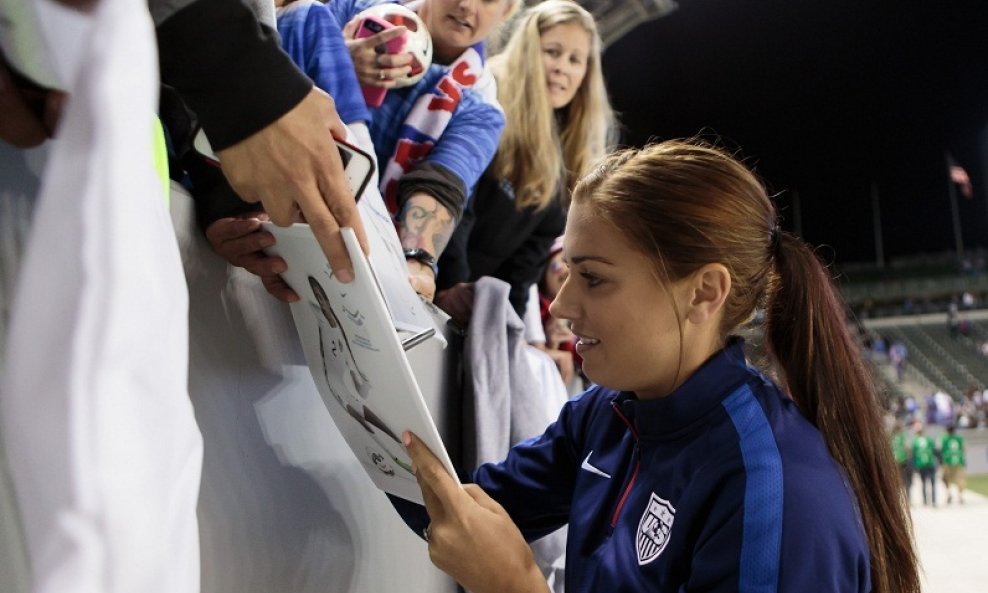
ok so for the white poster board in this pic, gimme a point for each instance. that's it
(355, 349)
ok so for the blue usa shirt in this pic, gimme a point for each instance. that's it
(721, 486)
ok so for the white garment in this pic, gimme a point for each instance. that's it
(534, 331)
(502, 397)
(102, 444)
(554, 393)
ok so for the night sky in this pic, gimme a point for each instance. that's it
(827, 100)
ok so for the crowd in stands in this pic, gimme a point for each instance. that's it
(967, 409)
(938, 408)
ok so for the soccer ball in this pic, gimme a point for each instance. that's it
(416, 41)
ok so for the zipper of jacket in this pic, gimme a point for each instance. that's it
(634, 475)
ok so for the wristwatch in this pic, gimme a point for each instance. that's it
(423, 256)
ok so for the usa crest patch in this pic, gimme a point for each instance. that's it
(654, 529)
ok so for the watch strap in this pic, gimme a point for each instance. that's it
(422, 256)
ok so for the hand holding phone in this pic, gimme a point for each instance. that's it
(371, 25)
(368, 27)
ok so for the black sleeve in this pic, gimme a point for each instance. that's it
(454, 264)
(413, 514)
(229, 68)
(527, 264)
(436, 180)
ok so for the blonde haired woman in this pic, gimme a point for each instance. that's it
(558, 122)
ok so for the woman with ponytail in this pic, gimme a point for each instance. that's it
(684, 468)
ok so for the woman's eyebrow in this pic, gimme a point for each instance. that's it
(582, 258)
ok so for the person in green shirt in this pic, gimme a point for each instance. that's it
(954, 463)
(925, 462)
(900, 451)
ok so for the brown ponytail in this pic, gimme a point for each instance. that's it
(824, 372)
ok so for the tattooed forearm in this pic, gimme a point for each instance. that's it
(418, 217)
(426, 224)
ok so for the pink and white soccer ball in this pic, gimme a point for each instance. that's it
(418, 42)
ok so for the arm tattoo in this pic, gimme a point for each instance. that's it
(425, 223)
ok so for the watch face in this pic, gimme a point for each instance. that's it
(421, 255)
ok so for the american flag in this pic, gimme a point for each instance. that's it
(959, 176)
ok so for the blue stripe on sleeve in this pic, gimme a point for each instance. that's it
(762, 532)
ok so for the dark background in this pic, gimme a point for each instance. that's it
(829, 101)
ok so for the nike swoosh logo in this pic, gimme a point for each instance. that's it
(586, 465)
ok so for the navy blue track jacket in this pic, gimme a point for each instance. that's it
(721, 486)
